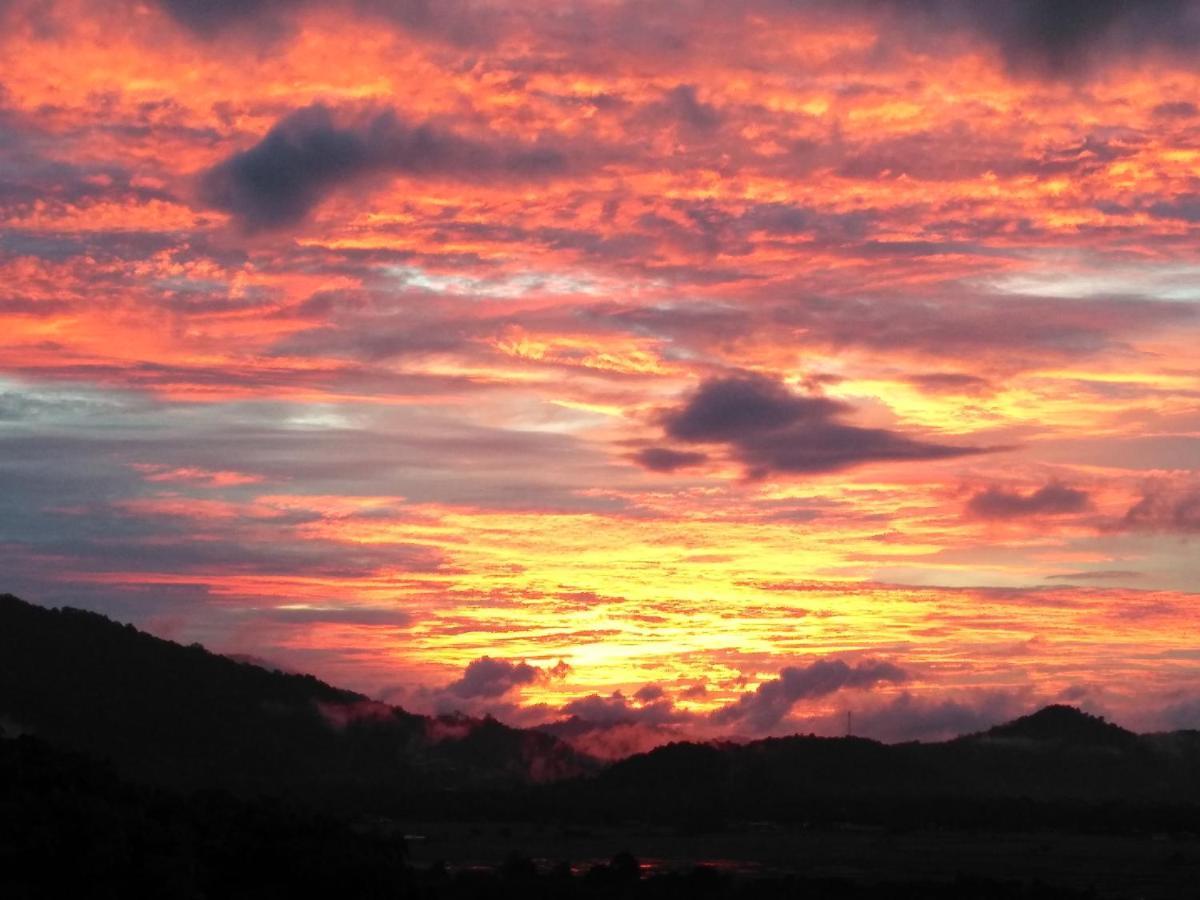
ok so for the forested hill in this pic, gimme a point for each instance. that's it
(183, 716)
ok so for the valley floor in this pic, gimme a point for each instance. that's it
(1148, 866)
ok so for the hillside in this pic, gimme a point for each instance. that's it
(185, 717)
(1056, 767)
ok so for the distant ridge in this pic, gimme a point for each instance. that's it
(184, 717)
(1066, 725)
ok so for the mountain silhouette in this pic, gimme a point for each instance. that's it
(185, 717)
(1063, 725)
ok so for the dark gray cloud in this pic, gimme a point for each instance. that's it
(649, 693)
(772, 700)
(1053, 37)
(1051, 500)
(487, 677)
(1185, 208)
(770, 430)
(616, 709)
(1165, 508)
(457, 21)
(315, 150)
(727, 409)
(664, 459)
(211, 17)
(1176, 109)
(685, 106)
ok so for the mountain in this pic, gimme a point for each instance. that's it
(184, 717)
(1058, 767)
(1062, 725)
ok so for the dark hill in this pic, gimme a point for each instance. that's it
(1058, 767)
(1064, 725)
(185, 717)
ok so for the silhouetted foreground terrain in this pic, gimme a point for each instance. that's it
(69, 827)
(1056, 768)
(184, 717)
(162, 770)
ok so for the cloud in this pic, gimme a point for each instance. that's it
(616, 726)
(649, 693)
(1052, 500)
(664, 459)
(1184, 714)
(487, 677)
(908, 717)
(1057, 37)
(682, 103)
(771, 430)
(616, 708)
(616, 740)
(458, 21)
(978, 332)
(727, 409)
(1165, 508)
(1097, 575)
(1184, 208)
(772, 700)
(211, 17)
(315, 150)
(1176, 109)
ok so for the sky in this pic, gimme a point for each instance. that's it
(689, 368)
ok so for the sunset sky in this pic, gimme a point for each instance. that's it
(690, 367)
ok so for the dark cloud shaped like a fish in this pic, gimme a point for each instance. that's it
(771, 430)
(1051, 500)
(315, 150)
(772, 700)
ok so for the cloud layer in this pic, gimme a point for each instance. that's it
(424, 345)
